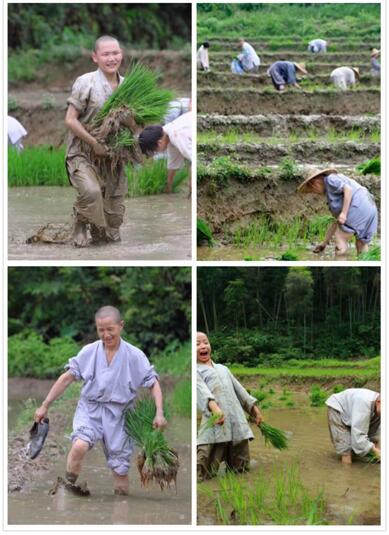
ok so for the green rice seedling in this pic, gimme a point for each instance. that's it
(259, 395)
(317, 396)
(276, 437)
(271, 391)
(181, 398)
(372, 166)
(375, 135)
(150, 178)
(211, 421)
(123, 138)
(204, 233)
(290, 403)
(12, 104)
(288, 256)
(337, 388)
(266, 405)
(37, 166)
(372, 458)
(156, 461)
(374, 253)
(288, 169)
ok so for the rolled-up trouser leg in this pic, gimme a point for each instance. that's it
(114, 212)
(339, 432)
(117, 445)
(238, 456)
(89, 204)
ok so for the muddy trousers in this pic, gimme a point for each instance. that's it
(93, 205)
(210, 456)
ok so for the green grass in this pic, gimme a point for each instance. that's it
(174, 360)
(280, 499)
(181, 398)
(263, 231)
(374, 253)
(317, 396)
(150, 178)
(204, 233)
(37, 166)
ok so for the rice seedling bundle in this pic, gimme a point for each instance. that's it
(211, 421)
(156, 461)
(137, 101)
(372, 166)
(276, 437)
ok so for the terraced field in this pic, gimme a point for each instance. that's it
(254, 143)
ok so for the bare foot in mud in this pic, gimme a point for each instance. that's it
(78, 490)
(79, 234)
(319, 248)
(120, 492)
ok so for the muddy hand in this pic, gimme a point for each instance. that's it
(320, 248)
(99, 149)
(159, 422)
(40, 413)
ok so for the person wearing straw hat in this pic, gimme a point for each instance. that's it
(375, 66)
(344, 77)
(283, 73)
(351, 204)
(316, 46)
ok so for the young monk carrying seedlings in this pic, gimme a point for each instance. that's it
(350, 203)
(354, 419)
(100, 194)
(112, 371)
(219, 393)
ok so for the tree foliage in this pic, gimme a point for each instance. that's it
(256, 314)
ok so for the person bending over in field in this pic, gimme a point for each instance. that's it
(203, 57)
(345, 77)
(112, 370)
(220, 394)
(374, 63)
(100, 195)
(283, 73)
(352, 206)
(354, 419)
(317, 46)
(174, 137)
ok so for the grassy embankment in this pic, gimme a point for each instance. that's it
(45, 166)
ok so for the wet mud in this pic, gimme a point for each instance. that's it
(352, 493)
(155, 227)
(29, 482)
(277, 124)
(245, 102)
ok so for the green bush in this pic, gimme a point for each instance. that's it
(30, 356)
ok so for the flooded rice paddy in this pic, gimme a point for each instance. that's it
(155, 227)
(352, 493)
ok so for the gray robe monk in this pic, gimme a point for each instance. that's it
(362, 217)
(100, 199)
(217, 383)
(109, 389)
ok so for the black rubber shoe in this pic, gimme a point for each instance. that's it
(38, 434)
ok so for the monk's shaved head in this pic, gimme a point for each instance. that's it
(108, 312)
(104, 39)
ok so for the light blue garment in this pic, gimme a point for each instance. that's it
(217, 383)
(357, 409)
(317, 45)
(236, 67)
(109, 389)
(375, 67)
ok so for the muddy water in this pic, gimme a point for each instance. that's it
(352, 492)
(155, 227)
(229, 252)
(142, 506)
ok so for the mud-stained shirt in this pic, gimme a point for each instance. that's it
(217, 383)
(357, 409)
(89, 92)
(179, 147)
(116, 382)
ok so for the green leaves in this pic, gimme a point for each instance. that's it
(276, 437)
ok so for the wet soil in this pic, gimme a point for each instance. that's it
(295, 42)
(245, 102)
(216, 79)
(238, 204)
(30, 481)
(321, 66)
(352, 492)
(277, 124)
(339, 58)
(264, 153)
(155, 227)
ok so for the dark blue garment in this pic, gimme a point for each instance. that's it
(282, 73)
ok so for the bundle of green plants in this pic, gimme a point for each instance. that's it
(372, 458)
(204, 233)
(372, 166)
(276, 437)
(211, 421)
(156, 461)
(137, 101)
(150, 178)
(374, 253)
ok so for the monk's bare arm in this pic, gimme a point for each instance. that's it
(156, 392)
(55, 392)
(72, 122)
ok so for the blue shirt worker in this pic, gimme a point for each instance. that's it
(112, 371)
(351, 204)
(374, 63)
(283, 73)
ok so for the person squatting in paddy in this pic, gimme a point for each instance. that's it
(112, 371)
(99, 205)
(220, 393)
(352, 206)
